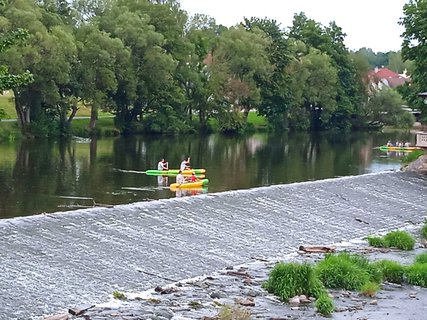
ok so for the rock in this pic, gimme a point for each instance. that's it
(412, 295)
(303, 299)
(373, 302)
(165, 313)
(294, 301)
(80, 309)
(62, 316)
(294, 308)
(418, 166)
(165, 290)
(247, 302)
(247, 281)
(217, 295)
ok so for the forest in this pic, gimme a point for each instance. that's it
(159, 70)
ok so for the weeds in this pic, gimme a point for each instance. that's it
(400, 239)
(324, 305)
(421, 258)
(424, 230)
(119, 295)
(370, 289)
(416, 274)
(342, 271)
(392, 271)
(396, 239)
(228, 312)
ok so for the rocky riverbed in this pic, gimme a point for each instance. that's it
(238, 290)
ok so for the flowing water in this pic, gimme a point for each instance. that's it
(44, 176)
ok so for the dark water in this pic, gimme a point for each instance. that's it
(49, 176)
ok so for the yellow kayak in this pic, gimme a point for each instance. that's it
(189, 185)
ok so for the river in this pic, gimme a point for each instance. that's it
(44, 176)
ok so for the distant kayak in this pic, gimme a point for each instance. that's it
(392, 148)
(174, 172)
(189, 185)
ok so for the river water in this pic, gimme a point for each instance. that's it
(44, 176)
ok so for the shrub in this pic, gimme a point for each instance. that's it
(233, 313)
(370, 289)
(416, 274)
(119, 295)
(400, 239)
(342, 271)
(424, 230)
(392, 271)
(421, 258)
(287, 280)
(377, 242)
(324, 305)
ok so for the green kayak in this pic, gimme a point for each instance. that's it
(174, 172)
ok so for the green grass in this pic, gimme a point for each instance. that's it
(257, 120)
(421, 258)
(325, 305)
(412, 156)
(416, 274)
(235, 312)
(424, 230)
(370, 289)
(397, 239)
(400, 239)
(119, 295)
(392, 271)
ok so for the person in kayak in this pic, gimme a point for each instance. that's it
(180, 178)
(162, 165)
(185, 164)
(193, 177)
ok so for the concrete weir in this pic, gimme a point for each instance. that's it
(54, 261)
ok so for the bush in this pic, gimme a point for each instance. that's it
(324, 305)
(400, 239)
(288, 280)
(233, 313)
(119, 295)
(424, 230)
(392, 271)
(377, 242)
(342, 271)
(421, 258)
(416, 274)
(370, 289)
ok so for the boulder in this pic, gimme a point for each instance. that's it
(418, 166)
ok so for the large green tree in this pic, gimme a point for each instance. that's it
(414, 48)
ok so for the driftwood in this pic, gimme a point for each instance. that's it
(317, 249)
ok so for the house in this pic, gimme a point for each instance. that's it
(384, 77)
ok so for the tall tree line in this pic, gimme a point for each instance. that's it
(159, 70)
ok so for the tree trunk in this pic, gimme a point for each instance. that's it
(73, 112)
(93, 117)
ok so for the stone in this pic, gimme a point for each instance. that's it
(247, 302)
(418, 166)
(61, 316)
(373, 302)
(217, 295)
(80, 309)
(294, 301)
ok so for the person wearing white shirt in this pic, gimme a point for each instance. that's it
(162, 165)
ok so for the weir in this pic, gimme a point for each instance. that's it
(54, 261)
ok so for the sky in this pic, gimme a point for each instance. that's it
(367, 23)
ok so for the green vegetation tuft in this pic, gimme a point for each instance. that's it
(370, 289)
(412, 156)
(119, 295)
(416, 274)
(424, 230)
(288, 280)
(324, 305)
(392, 271)
(228, 312)
(342, 271)
(400, 239)
(377, 242)
(421, 258)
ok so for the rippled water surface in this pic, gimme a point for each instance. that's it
(48, 176)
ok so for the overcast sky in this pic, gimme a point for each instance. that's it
(367, 23)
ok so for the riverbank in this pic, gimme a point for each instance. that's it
(238, 291)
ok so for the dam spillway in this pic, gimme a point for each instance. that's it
(53, 261)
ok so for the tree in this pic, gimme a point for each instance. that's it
(9, 81)
(385, 108)
(239, 59)
(414, 48)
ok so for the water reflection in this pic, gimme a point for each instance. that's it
(47, 176)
